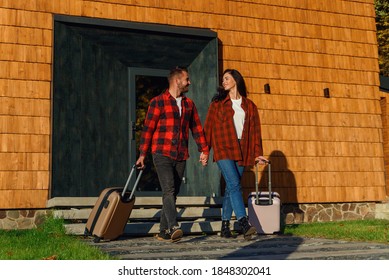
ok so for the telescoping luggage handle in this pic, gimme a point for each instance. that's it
(128, 182)
(257, 201)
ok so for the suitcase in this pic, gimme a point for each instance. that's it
(264, 207)
(111, 211)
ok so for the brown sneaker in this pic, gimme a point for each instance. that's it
(175, 234)
(163, 236)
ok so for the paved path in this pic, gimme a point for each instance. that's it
(212, 247)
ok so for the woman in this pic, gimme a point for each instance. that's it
(232, 129)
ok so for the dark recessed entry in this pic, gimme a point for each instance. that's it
(93, 98)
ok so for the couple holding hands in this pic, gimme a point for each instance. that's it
(232, 128)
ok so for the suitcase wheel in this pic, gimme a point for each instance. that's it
(96, 239)
(86, 232)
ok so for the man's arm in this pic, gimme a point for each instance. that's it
(149, 126)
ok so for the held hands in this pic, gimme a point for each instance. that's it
(203, 159)
(261, 160)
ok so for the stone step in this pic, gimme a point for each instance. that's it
(142, 213)
(151, 228)
(195, 214)
(68, 202)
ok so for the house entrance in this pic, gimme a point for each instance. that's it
(104, 74)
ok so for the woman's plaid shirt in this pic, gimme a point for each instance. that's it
(221, 134)
(166, 132)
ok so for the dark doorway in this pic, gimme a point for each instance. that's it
(146, 83)
(94, 108)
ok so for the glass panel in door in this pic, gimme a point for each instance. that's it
(147, 87)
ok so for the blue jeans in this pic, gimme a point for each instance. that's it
(233, 200)
(170, 173)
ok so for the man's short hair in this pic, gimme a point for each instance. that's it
(176, 71)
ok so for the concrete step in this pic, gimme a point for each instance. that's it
(382, 211)
(145, 213)
(151, 228)
(195, 214)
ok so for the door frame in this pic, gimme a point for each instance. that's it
(205, 71)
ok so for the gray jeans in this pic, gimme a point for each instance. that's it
(170, 173)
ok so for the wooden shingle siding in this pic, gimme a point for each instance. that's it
(323, 149)
(385, 135)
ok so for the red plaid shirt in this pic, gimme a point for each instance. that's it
(221, 134)
(167, 132)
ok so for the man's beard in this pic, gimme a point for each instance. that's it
(183, 89)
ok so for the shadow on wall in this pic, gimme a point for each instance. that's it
(284, 183)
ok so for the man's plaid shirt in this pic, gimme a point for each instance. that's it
(166, 132)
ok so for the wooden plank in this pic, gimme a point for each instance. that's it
(336, 179)
(25, 18)
(314, 133)
(332, 119)
(25, 107)
(24, 161)
(27, 89)
(23, 199)
(24, 70)
(24, 125)
(325, 164)
(23, 53)
(318, 104)
(24, 180)
(324, 148)
(20, 4)
(306, 89)
(26, 35)
(24, 143)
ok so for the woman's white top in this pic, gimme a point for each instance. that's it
(238, 116)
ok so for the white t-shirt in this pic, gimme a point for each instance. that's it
(178, 100)
(238, 116)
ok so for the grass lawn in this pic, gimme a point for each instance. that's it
(360, 230)
(49, 241)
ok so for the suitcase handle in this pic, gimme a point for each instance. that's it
(128, 182)
(257, 202)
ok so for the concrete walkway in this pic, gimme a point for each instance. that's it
(212, 247)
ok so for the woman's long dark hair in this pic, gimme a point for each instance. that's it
(240, 84)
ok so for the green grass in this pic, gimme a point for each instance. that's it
(48, 241)
(360, 230)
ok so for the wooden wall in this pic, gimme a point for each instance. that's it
(323, 149)
(385, 135)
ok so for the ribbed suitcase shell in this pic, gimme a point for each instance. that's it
(265, 217)
(264, 210)
(110, 214)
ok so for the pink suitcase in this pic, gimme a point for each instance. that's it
(264, 208)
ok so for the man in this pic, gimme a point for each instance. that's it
(166, 131)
